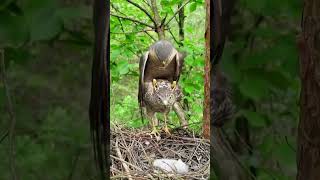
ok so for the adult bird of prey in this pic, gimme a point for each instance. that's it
(161, 61)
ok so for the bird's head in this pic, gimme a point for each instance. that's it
(165, 91)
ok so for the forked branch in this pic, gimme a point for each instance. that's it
(142, 9)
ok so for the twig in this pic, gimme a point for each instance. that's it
(133, 20)
(174, 38)
(125, 166)
(142, 9)
(146, 2)
(4, 136)
(12, 117)
(125, 162)
(133, 32)
(116, 9)
(177, 12)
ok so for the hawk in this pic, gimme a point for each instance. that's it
(161, 61)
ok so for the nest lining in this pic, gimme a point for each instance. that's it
(134, 150)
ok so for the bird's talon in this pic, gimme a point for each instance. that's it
(155, 133)
(174, 84)
(154, 83)
(166, 129)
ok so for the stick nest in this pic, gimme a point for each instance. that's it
(133, 152)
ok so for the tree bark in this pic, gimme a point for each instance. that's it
(308, 154)
(206, 104)
(159, 27)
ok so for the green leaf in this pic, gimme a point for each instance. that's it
(42, 19)
(13, 30)
(266, 147)
(253, 87)
(285, 155)
(193, 7)
(255, 119)
(123, 67)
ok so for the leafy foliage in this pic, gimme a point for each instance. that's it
(261, 61)
(48, 51)
(127, 45)
(47, 61)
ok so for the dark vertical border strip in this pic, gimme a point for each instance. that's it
(99, 111)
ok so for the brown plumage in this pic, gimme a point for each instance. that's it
(161, 61)
(160, 97)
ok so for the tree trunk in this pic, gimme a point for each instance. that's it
(308, 154)
(159, 26)
(206, 104)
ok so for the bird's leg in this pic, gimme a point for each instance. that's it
(154, 128)
(166, 129)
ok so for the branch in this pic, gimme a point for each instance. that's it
(174, 38)
(144, 30)
(154, 39)
(146, 2)
(125, 166)
(4, 136)
(177, 12)
(142, 9)
(12, 117)
(116, 9)
(133, 20)
(119, 19)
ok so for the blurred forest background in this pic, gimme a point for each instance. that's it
(48, 53)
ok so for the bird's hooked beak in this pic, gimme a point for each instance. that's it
(165, 102)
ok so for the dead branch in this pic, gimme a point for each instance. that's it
(138, 151)
(125, 166)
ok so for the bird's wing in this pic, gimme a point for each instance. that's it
(99, 99)
(142, 67)
(179, 64)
